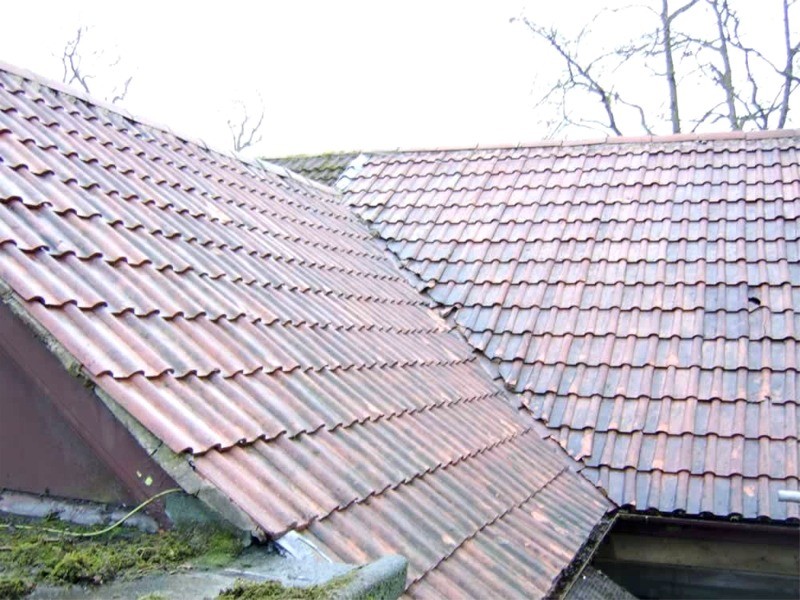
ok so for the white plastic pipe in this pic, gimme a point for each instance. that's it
(788, 496)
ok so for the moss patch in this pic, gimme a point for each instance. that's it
(15, 587)
(35, 556)
(274, 590)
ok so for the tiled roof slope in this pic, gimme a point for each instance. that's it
(325, 168)
(250, 321)
(644, 297)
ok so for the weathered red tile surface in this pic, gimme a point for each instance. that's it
(643, 297)
(251, 322)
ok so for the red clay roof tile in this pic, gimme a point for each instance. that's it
(250, 321)
(655, 291)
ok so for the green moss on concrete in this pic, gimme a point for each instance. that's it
(15, 587)
(275, 590)
(57, 559)
(219, 548)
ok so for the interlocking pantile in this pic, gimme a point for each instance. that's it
(643, 297)
(251, 322)
(325, 168)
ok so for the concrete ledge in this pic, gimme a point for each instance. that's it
(384, 579)
(81, 512)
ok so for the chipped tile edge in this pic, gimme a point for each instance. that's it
(298, 546)
(176, 466)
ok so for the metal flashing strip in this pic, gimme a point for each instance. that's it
(293, 544)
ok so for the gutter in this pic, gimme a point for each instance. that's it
(711, 522)
(572, 573)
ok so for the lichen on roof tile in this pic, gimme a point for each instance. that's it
(325, 168)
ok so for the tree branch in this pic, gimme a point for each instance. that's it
(578, 74)
(788, 71)
(73, 72)
(71, 61)
(245, 133)
(120, 96)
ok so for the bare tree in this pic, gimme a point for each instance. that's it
(668, 43)
(696, 43)
(579, 75)
(742, 72)
(75, 72)
(245, 128)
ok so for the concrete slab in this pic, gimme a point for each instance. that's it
(382, 579)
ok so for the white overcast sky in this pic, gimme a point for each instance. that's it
(333, 75)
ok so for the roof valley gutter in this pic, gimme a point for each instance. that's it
(447, 314)
(570, 574)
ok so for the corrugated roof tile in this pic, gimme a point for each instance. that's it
(655, 289)
(250, 322)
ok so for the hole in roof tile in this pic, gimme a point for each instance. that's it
(754, 300)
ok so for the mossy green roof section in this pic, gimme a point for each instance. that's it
(52, 553)
(324, 168)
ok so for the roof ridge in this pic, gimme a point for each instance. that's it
(325, 153)
(608, 140)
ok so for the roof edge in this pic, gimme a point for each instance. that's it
(627, 512)
(176, 466)
(304, 155)
(282, 171)
(65, 89)
(583, 557)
